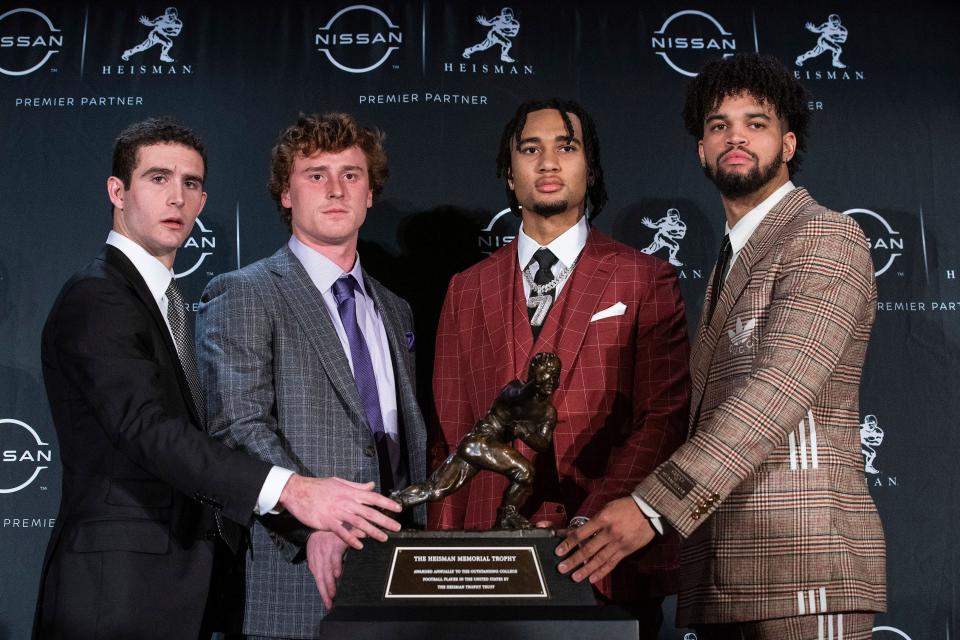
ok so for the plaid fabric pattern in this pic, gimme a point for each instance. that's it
(774, 506)
(280, 387)
(622, 399)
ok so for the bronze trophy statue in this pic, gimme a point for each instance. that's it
(522, 410)
(506, 577)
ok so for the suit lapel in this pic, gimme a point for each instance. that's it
(310, 312)
(577, 303)
(121, 263)
(761, 241)
(410, 423)
(498, 297)
(399, 353)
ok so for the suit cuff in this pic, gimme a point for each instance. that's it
(649, 512)
(270, 492)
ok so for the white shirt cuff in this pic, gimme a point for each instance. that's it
(271, 490)
(650, 512)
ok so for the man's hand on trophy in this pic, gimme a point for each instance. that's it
(325, 560)
(617, 531)
(347, 509)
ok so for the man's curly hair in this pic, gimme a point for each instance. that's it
(760, 75)
(596, 191)
(330, 132)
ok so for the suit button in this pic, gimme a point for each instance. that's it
(210, 534)
(369, 451)
(714, 498)
(559, 508)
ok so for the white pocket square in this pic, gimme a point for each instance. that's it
(615, 310)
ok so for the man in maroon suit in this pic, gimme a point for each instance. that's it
(614, 317)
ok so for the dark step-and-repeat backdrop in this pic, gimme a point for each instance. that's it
(441, 79)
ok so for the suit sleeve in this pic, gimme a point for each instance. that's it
(102, 346)
(661, 392)
(823, 293)
(235, 360)
(453, 415)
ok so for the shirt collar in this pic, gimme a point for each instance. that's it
(567, 246)
(745, 226)
(322, 270)
(153, 272)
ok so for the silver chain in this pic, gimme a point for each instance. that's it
(541, 289)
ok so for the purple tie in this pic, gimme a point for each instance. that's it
(363, 374)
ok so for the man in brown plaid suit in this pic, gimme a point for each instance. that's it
(782, 540)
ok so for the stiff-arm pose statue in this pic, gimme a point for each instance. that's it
(521, 410)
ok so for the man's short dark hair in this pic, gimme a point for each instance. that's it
(330, 132)
(162, 130)
(760, 75)
(596, 190)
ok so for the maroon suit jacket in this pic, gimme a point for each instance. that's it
(622, 401)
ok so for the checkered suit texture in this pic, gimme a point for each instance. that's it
(280, 387)
(622, 399)
(769, 489)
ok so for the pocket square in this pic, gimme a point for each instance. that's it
(411, 340)
(616, 310)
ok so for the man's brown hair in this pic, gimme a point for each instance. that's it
(329, 132)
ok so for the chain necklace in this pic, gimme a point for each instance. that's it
(540, 294)
(541, 289)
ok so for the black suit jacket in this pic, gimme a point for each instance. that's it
(143, 487)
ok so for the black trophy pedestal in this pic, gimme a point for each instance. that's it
(483, 585)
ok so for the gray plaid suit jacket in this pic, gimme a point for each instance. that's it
(280, 387)
(769, 490)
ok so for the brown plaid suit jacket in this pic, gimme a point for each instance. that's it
(769, 490)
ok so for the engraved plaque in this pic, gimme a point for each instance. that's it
(465, 572)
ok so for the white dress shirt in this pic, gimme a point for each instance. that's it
(567, 247)
(323, 273)
(742, 231)
(158, 278)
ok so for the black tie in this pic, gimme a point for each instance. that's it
(183, 339)
(545, 260)
(720, 274)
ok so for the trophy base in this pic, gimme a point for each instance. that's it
(467, 584)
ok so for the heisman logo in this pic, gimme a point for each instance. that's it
(871, 435)
(354, 35)
(22, 455)
(666, 41)
(22, 38)
(503, 28)
(832, 35)
(164, 29)
(670, 228)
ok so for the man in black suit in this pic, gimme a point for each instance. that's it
(146, 494)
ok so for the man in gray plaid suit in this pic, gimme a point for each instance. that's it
(782, 540)
(309, 364)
